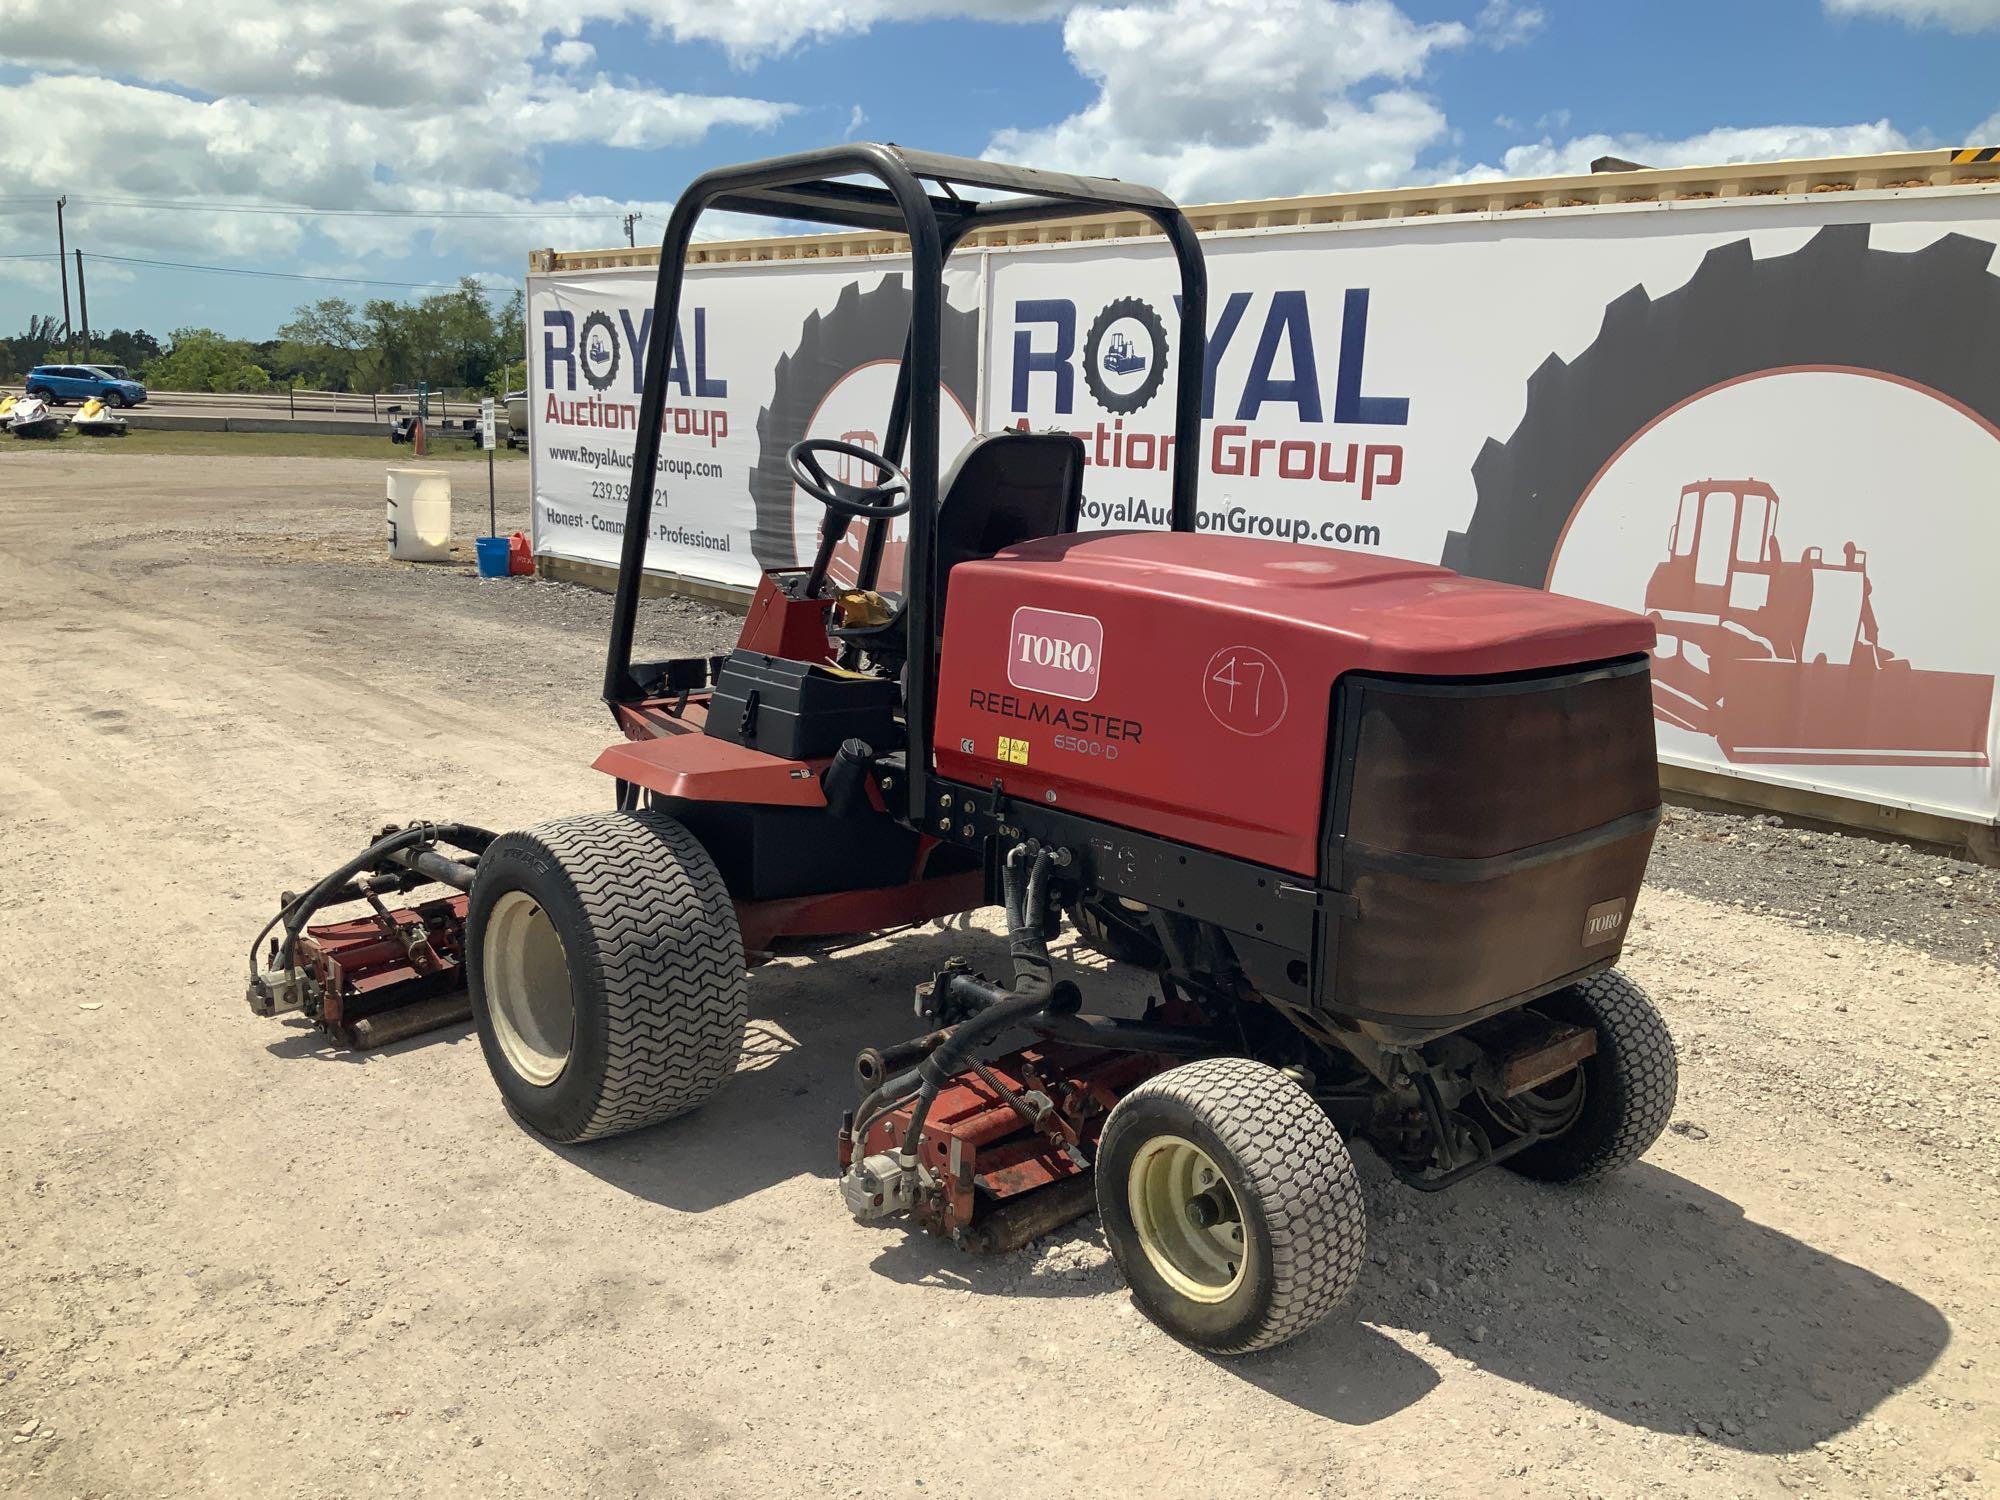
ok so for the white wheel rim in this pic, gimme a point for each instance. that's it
(527, 986)
(1173, 1184)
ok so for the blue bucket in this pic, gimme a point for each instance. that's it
(492, 556)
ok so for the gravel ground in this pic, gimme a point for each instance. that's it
(233, 1262)
(1943, 906)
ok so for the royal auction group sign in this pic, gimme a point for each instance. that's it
(1773, 427)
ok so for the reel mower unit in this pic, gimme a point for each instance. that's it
(1375, 829)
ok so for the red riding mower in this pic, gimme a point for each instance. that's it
(1377, 829)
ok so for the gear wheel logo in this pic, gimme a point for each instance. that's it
(1930, 317)
(598, 352)
(1125, 355)
(861, 336)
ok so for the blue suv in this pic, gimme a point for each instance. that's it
(56, 384)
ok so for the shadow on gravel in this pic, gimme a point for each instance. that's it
(1648, 1299)
(1361, 1375)
(302, 1039)
(779, 1115)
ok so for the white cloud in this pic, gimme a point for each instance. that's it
(1503, 24)
(332, 106)
(1549, 158)
(752, 29)
(1958, 15)
(1215, 99)
(390, 51)
(376, 104)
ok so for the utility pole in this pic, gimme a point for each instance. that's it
(62, 265)
(82, 303)
(630, 220)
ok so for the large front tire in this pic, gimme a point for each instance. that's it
(1629, 1086)
(606, 971)
(1231, 1205)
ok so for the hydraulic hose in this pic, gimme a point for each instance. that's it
(1034, 982)
(299, 912)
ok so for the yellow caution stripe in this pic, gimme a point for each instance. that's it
(1968, 154)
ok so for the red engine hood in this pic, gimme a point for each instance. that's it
(1385, 614)
(1182, 684)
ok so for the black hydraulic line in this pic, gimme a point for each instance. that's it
(452, 872)
(1034, 982)
(294, 916)
(923, 1077)
(876, 1065)
(938, 1069)
(418, 835)
(873, 1108)
(362, 887)
(1116, 1034)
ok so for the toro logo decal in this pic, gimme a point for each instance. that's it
(1051, 652)
(1603, 922)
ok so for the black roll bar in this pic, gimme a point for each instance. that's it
(811, 185)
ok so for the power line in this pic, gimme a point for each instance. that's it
(300, 211)
(177, 265)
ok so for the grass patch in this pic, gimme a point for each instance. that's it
(148, 440)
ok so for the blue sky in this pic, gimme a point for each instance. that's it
(563, 115)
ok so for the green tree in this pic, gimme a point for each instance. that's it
(455, 339)
(319, 345)
(510, 346)
(28, 348)
(200, 359)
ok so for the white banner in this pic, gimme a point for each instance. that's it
(1773, 427)
(760, 360)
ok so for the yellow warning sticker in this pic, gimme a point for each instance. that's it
(1014, 752)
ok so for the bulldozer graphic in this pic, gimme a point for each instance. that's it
(1779, 658)
(1122, 356)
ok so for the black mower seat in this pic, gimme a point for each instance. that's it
(1006, 487)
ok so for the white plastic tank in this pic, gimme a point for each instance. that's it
(420, 515)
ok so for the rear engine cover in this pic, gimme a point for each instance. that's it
(1489, 836)
(1182, 684)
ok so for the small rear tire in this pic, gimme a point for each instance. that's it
(1629, 1086)
(1231, 1205)
(606, 972)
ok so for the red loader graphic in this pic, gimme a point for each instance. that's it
(1779, 659)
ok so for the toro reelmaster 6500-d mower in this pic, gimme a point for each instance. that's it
(1377, 829)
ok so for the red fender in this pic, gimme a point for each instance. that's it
(700, 769)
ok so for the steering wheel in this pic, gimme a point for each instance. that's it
(887, 498)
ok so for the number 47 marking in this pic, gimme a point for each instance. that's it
(1226, 675)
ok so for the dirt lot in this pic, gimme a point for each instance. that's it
(234, 1263)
